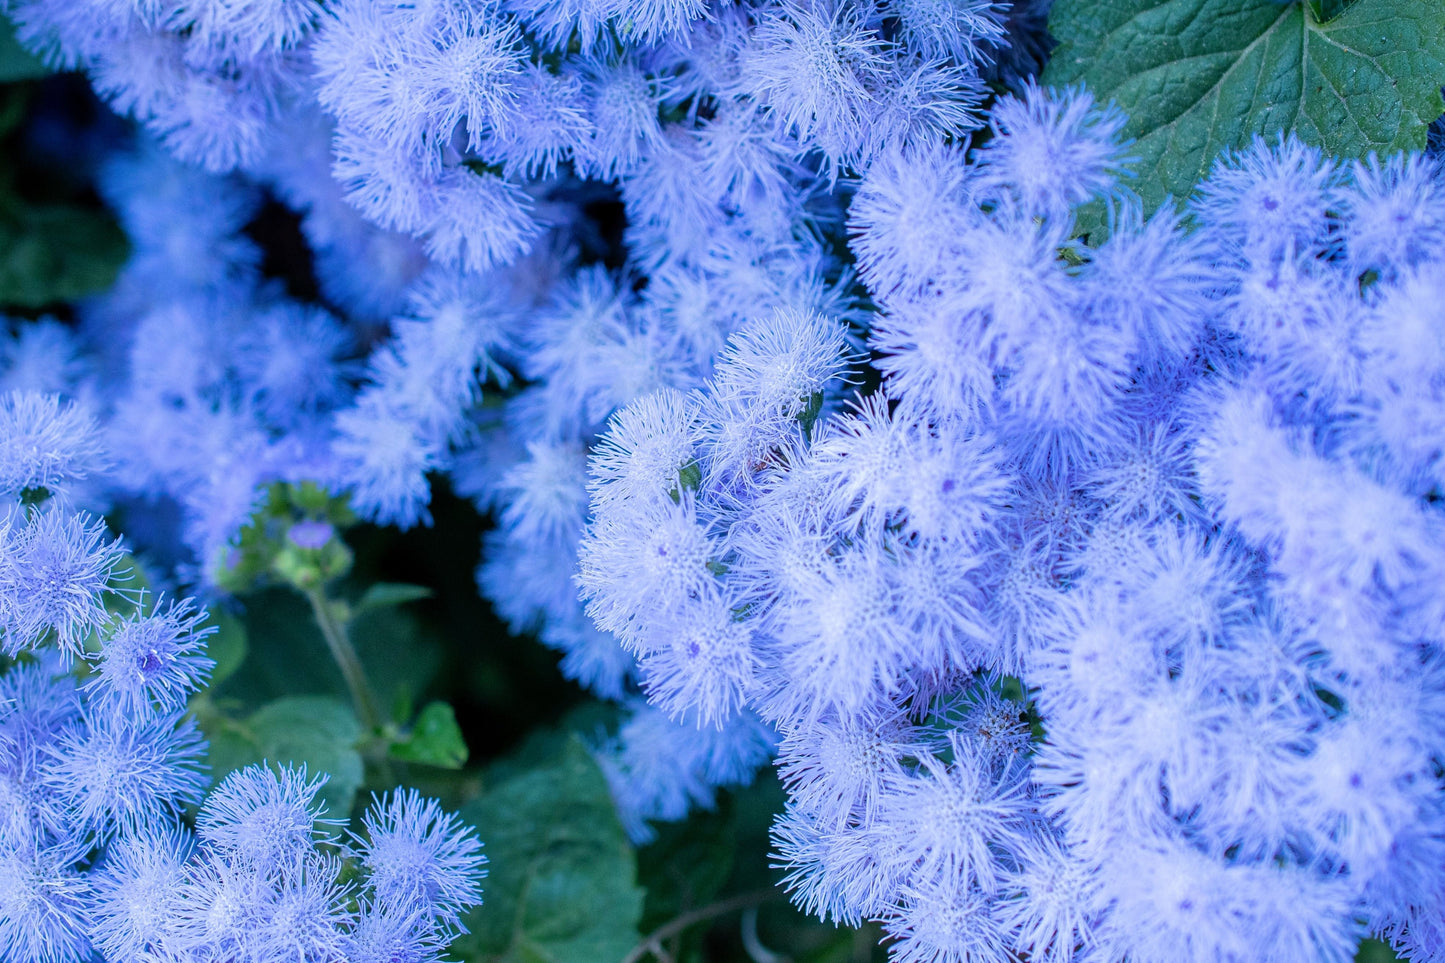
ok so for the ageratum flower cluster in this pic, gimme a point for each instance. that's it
(444, 158)
(1182, 484)
(1081, 591)
(100, 764)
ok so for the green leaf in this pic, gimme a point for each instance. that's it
(1326, 10)
(227, 645)
(316, 731)
(14, 106)
(716, 856)
(435, 739)
(16, 63)
(386, 594)
(1200, 76)
(56, 252)
(811, 411)
(289, 656)
(401, 653)
(561, 884)
(689, 862)
(130, 585)
(1375, 951)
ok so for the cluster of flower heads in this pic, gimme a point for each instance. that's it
(448, 119)
(444, 160)
(1102, 622)
(1081, 590)
(422, 144)
(100, 764)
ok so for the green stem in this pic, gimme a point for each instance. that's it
(339, 642)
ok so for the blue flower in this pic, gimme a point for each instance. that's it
(55, 570)
(421, 857)
(262, 818)
(44, 444)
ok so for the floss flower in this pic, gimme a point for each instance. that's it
(98, 860)
(1082, 590)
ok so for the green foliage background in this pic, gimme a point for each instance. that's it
(56, 245)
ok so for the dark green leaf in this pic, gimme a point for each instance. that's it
(226, 646)
(316, 731)
(689, 862)
(131, 586)
(1200, 76)
(1374, 951)
(811, 411)
(715, 857)
(400, 652)
(289, 656)
(386, 594)
(14, 105)
(57, 252)
(16, 63)
(1325, 10)
(435, 739)
(689, 477)
(561, 878)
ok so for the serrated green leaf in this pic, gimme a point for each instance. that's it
(561, 884)
(317, 731)
(380, 595)
(435, 739)
(1200, 76)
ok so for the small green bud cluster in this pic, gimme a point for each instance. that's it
(293, 538)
